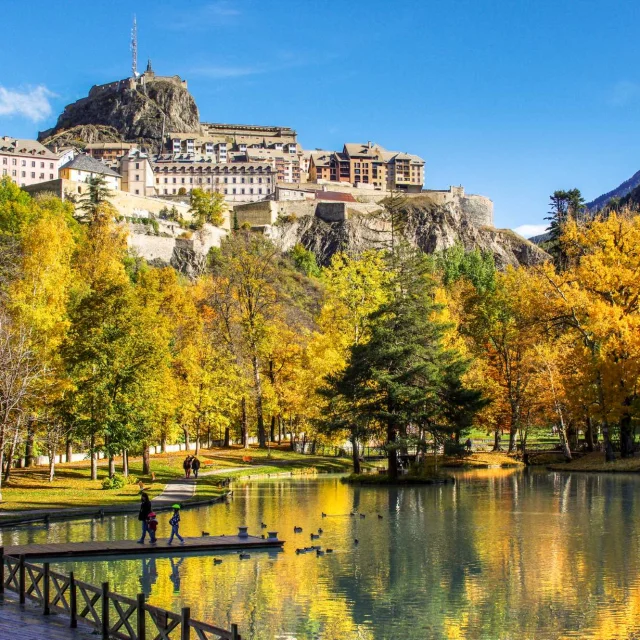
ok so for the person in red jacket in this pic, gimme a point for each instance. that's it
(152, 524)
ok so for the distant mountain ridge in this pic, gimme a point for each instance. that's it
(619, 192)
(628, 192)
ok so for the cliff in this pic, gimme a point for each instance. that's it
(135, 111)
(429, 226)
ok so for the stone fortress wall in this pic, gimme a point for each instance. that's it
(134, 83)
(479, 209)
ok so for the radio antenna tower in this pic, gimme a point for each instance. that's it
(134, 48)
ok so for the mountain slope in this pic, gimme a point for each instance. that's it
(619, 192)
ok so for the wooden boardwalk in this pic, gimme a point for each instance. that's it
(131, 547)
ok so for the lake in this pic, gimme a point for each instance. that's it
(500, 554)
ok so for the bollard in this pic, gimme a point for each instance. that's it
(73, 602)
(21, 580)
(185, 629)
(45, 590)
(242, 532)
(1, 569)
(105, 611)
(234, 632)
(272, 535)
(141, 632)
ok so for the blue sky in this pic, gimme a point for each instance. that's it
(511, 98)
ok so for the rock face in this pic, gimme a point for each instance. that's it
(430, 227)
(136, 111)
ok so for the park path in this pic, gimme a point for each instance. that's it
(182, 489)
(28, 623)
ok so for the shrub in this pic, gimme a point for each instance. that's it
(117, 482)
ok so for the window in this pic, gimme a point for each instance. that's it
(51, 165)
(251, 181)
(24, 163)
(24, 174)
(260, 191)
(174, 181)
(174, 191)
(14, 172)
(42, 165)
(4, 161)
(4, 172)
(157, 180)
(260, 182)
(225, 191)
(137, 166)
(33, 163)
(251, 191)
(165, 191)
(226, 181)
(182, 180)
(137, 177)
(33, 174)
(50, 175)
(233, 190)
(233, 180)
(242, 191)
(137, 192)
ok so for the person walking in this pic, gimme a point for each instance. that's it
(175, 524)
(186, 465)
(195, 465)
(143, 516)
(152, 524)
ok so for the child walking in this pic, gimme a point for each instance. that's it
(152, 525)
(175, 524)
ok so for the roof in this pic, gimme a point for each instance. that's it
(336, 196)
(111, 145)
(358, 149)
(20, 146)
(86, 163)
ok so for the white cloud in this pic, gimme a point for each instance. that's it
(30, 102)
(529, 230)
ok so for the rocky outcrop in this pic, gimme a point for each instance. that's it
(137, 112)
(427, 226)
(83, 134)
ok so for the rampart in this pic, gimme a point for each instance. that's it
(479, 209)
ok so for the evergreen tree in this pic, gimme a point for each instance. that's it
(404, 377)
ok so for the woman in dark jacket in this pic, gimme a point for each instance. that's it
(143, 516)
(195, 465)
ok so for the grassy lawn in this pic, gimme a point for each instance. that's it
(479, 460)
(30, 488)
(595, 462)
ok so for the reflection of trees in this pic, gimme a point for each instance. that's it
(499, 554)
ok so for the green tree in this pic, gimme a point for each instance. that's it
(207, 207)
(305, 260)
(94, 202)
(403, 377)
(565, 205)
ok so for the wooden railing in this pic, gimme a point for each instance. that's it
(112, 615)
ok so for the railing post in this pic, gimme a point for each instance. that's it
(73, 602)
(1, 569)
(140, 629)
(105, 611)
(21, 580)
(234, 632)
(45, 590)
(185, 629)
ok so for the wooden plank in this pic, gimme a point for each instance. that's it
(130, 547)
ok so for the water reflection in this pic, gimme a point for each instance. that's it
(500, 554)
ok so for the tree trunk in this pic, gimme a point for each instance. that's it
(52, 464)
(588, 434)
(146, 460)
(112, 466)
(279, 429)
(163, 443)
(69, 450)
(355, 452)
(94, 458)
(496, 440)
(227, 437)
(257, 381)
(245, 424)
(187, 442)
(313, 447)
(125, 463)
(272, 433)
(392, 470)
(11, 454)
(28, 445)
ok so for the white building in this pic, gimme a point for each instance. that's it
(83, 167)
(26, 161)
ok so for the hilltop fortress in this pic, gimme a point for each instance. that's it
(147, 131)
